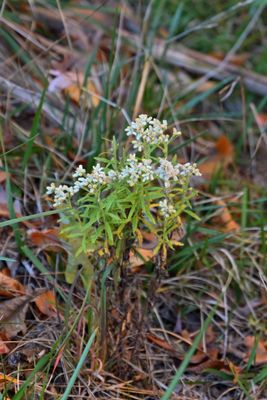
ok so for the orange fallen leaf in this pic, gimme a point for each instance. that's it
(223, 157)
(261, 119)
(225, 147)
(261, 351)
(225, 217)
(46, 303)
(10, 287)
(7, 378)
(236, 59)
(72, 84)
(139, 256)
(3, 176)
(235, 371)
(3, 347)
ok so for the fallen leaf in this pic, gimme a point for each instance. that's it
(225, 148)
(226, 219)
(12, 316)
(4, 212)
(261, 119)
(223, 157)
(46, 303)
(235, 371)
(139, 256)
(164, 345)
(72, 85)
(3, 176)
(46, 238)
(10, 287)
(236, 59)
(4, 379)
(3, 347)
(261, 351)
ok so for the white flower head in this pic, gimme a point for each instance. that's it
(51, 189)
(166, 208)
(147, 130)
(80, 171)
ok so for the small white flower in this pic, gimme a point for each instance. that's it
(166, 209)
(80, 171)
(147, 130)
(51, 189)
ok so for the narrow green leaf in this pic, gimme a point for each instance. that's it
(78, 367)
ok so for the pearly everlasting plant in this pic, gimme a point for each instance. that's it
(127, 192)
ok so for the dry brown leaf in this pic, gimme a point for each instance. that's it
(164, 345)
(261, 352)
(47, 238)
(10, 287)
(46, 303)
(12, 316)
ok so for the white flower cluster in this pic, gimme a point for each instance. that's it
(167, 171)
(135, 170)
(83, 180)
(89, 181)
(166, 208)
(61, 193)
(147, 130)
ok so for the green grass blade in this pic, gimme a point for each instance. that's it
(78, 367)
(33, 133)
(6, 259)
(13, 221)
(188, 356)
(39, 366)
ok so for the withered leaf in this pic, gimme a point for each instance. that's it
(12, 316)
(10, 287)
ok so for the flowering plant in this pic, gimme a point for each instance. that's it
(125, 194)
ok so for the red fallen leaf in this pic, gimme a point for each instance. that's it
(10, 287)
(46, 303)
(261, 351)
